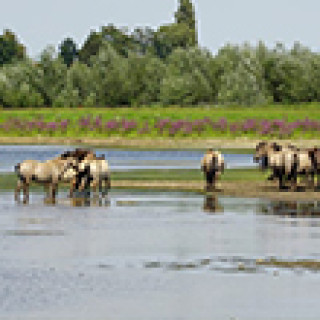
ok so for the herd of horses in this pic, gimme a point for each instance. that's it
(286, 162)
(83, 169)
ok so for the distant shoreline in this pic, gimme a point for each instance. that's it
(151, 143)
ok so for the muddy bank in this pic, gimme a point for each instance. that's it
(234, 188)
(246, 189)
(150, 143)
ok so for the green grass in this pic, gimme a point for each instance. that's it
(190, 174)
(8, 181)
(152, 113)
(289, 112)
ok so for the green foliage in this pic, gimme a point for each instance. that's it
(145, 75)
(110, 76)
(143, 40)
(10, 49)
(52, 75)
(68, 51)
(91, 47)
(17, 85)
(241, 77)
(172, 36)
(118, 38)
(79, 88)
(185, 15)
(115, 67)
(292, 76)
(188, 78)
(140, 40)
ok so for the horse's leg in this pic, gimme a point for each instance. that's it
(82, 183)
(94, 187)
(73, 184)
(100, 185)
(214, 181)
(50, 191)
(54, 188)
(294, 179)
(18, 189)
(281, 180)
(209, 178)
(107, 185)
(46, 188)
(311, 180)
(26, 191)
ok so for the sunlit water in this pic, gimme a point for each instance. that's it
(121, 159)
(152, 255)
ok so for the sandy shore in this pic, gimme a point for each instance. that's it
(151, 143)
(246, 189)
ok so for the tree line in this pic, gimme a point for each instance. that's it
(165, 66)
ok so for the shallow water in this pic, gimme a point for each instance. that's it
(121, 159)
(157, 255)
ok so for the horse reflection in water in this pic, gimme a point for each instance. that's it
(90, 202)
(292, 208)
(211, 204)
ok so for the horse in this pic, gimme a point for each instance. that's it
(212, 165)
(48, 173)
(94, 172)
(283, 161)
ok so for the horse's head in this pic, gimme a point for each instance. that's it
(261, 150)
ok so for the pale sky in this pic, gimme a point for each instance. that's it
(39, 23)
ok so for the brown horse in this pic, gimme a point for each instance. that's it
(212, 165)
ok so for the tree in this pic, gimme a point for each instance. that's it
(241, 77)
(10, 48)
(181, 34)
(143, 39)
(118, 38)
(17, 87)
(110, 75)
(68, 51)
(188, 78)
(90, 47)
(79, 88)
(186, 15)
(170, 37)
(52, 75)
(145, 76)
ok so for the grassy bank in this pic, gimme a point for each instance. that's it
(250, 183)
(8, 180)
(283, 121)
(289, 112)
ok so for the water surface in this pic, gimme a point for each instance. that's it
(157, 255)
(121, 159)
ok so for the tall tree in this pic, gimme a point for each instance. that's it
(181, 34)
(10, 48)
(170, 37)
(68, 51)
(185, 14)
